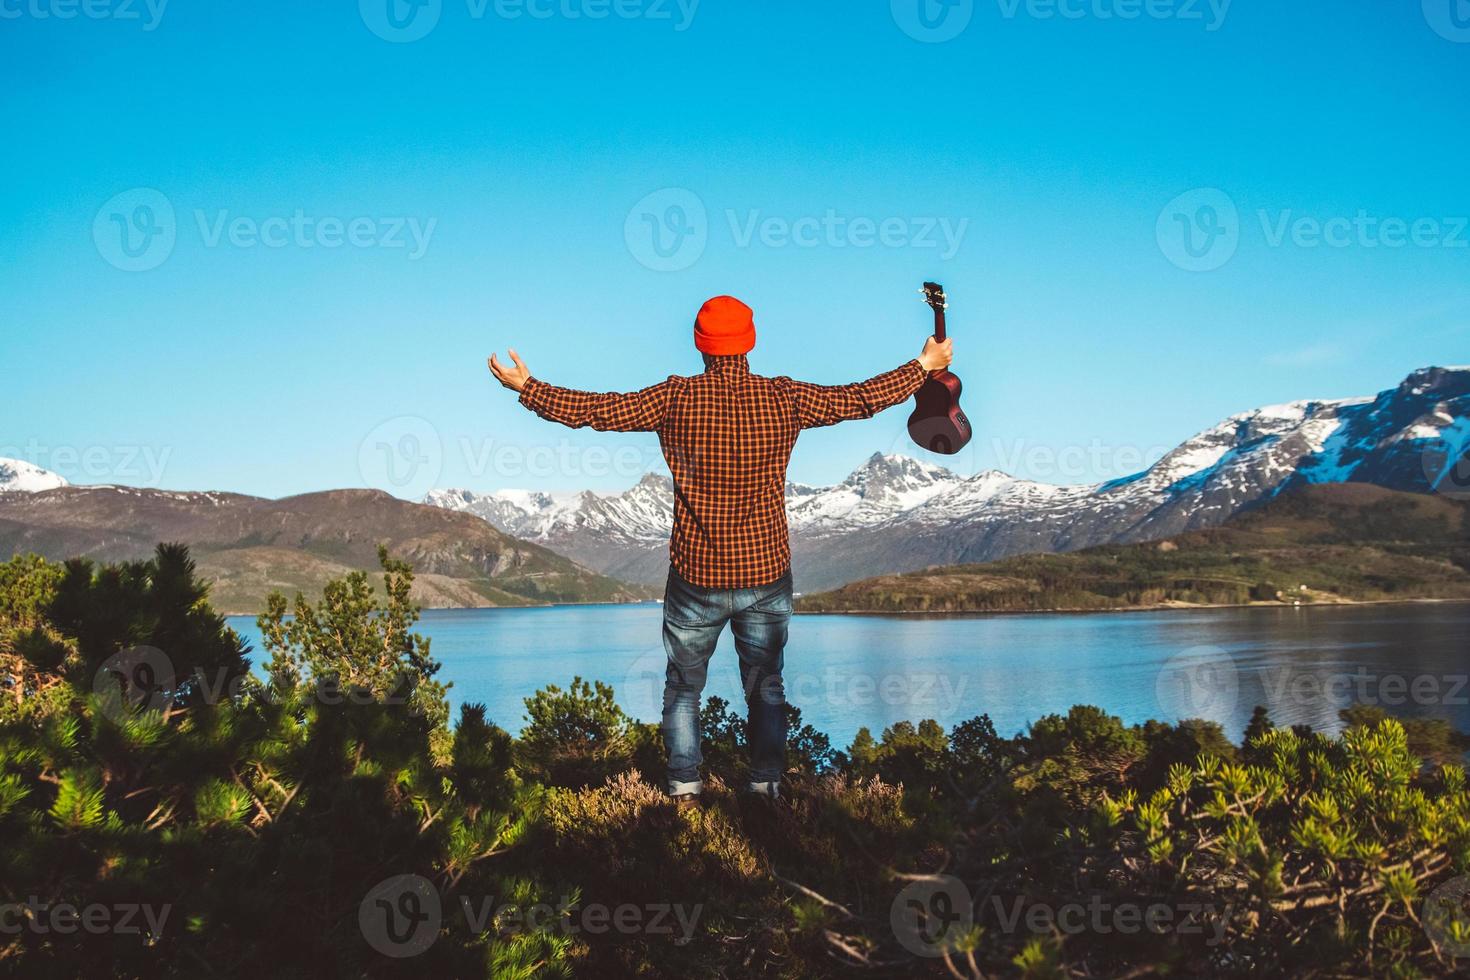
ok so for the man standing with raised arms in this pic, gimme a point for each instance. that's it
(727, 435)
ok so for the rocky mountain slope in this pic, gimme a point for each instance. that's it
(249, 545)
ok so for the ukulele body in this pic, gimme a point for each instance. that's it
(938, 424)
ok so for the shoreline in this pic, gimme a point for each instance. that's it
(1160, 607)
(976, 613)
(529, 605)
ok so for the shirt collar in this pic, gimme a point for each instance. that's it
(727, 365)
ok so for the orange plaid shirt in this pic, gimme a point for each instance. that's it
(727, 435)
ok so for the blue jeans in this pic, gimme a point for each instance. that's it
(694, 617)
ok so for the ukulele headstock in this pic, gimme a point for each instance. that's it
(934, 296)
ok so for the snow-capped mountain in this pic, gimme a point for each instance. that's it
(878, 491)
(895, 514)
(18, 476)
(626, 534)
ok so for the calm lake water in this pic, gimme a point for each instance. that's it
(847, 672)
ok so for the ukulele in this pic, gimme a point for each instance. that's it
(938, 423)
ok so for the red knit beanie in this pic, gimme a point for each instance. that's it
(724, 326)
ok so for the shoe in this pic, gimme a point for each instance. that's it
(686, 801)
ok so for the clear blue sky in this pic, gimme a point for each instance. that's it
(523, 145)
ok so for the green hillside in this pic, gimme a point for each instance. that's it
(1321, 544)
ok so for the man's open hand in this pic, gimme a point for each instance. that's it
(935, 355)
(515, 378)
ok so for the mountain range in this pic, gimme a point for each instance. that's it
(248, 546)
(896, 514)
(1320, 543)
(892, 514)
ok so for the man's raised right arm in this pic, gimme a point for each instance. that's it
(818, 405)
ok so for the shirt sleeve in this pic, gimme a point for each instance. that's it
(818, 405)
(634, 411)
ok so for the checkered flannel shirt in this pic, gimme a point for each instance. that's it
(727, 435)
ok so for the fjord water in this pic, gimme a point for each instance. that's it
(847, 672)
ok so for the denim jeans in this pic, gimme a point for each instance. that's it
(694, 617)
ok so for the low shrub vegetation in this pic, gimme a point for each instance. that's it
(326, 816)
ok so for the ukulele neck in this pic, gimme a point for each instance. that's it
(934, 296)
